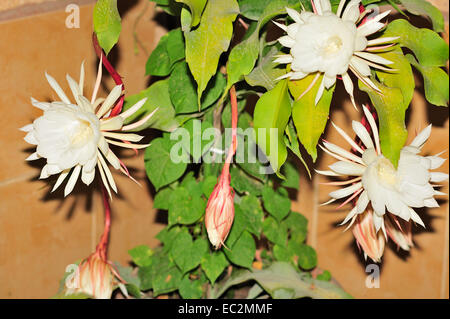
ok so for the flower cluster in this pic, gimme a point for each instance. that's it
(329, 44)
(383, 194)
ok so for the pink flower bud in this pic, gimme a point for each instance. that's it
(94, 276)
(220, 212)
(371, 242)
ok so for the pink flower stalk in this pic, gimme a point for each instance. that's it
(219, 214)
(400, 232)
(96, 275)
(371, 242)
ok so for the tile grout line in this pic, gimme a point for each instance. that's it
(444, 279)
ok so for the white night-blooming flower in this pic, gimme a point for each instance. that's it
(397, 191)
(329, 44)
(75, 137)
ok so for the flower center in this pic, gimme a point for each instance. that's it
(386, 171)
(83, 133)
(332, 46)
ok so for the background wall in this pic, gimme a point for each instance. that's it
(40, 233)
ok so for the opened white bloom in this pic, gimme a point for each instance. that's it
(330, 44)
(76, 137)
(377, 182)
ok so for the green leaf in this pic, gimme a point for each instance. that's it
(161, 200)
(402, 78)
(197, 144)
(184, 208)
(205, 44)
(243, 251)
(196, 7)
(190, 183)
(435, 82)
(325, 276)
(266, 72)
(310, 119)
(243, 56)
(170, 49)
(107, 23)
(271, 115)
(165, 275)
(282, 275)
(186, 253)
(274, 232)
(298, 226)
(423, 7)
(213, 264)
(307, 257)
(145, 277)
(252, 9)
(141, 255)
(157, 98)
(429, 48)
(183, 93)
(208, 185)
(167, 236)
(291, 140)
(239, 225)
(292, 176)
(391, 113)
(243, 183)
(160, 168)
(190, 289)
(251, 209)
(276, 204)
(282, 253)
(169, 6)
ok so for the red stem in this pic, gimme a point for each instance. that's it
(103, 244)
(234, 120)
(116, 77)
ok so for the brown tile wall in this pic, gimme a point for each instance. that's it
(40, 233)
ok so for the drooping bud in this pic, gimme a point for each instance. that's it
(371, 242)
(399, 231)
(94, 276)
(220, 212)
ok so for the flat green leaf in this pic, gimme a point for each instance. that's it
(107, 23)
(435, 82)
(160, 168)
(141, 255)
(170, 6)
(291, 140)
(423, 7)
(251, 209)
(307, 257)
(266, 72)
(271, 115)
(391, 113)
(165, 275)
(184, 208)
(213, 264)
(243, 251)
(190, 289)
(274, 232)
(205, 44)
(187, 253)
(282, 275)
(310, 119)
(276, 203)
(239, 225)
(292, 176)
(145, 277)
(244, 183)
(196, 7)
(429, 48)
(161, 200)
(282, 253)
(325, 276)
(297, 225)
(243, 56)
(197, 145)
(158, 97)
(208, 185)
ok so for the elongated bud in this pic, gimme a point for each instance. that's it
(94, 276)
(220, 212)
(371, 242)
(399, 231)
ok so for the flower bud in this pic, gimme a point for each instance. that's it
(371, 242)
(94, 276)
(220, 212)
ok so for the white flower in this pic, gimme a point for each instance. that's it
(77, 136)
(387, 189)
(329, 44)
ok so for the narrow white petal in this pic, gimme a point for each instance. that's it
(422, 137)
(113, 159)
(382, 40)
(140, 123)
(286, 41)
(346, 168)
(72, 180)
(416, 218)
(348, 84)
(340, 7)
(431, 202)
(124, 136)
(327, 173)
(360, 65)
(87, 176)
(281, 26)
(108, 173)
(362, 133)
(110, 100)
(103, 177)
(111, 124)
(320, 91)
(294, 15)
(74, 88)
(436, 161)
(349, 216)
(340, 151)
(81, 82)
(27, 128)
(30, 138)
(60, 179)
(347, 138)
(283, 59)
(351, 12)
(374, 128)
(438, 177)
(344, 192)
(55, 86)
(362, 202)
(33, 157)
(40, 105)
(373, 57)
(133, 109)
(127, 145)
